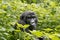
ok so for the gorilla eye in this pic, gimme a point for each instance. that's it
(28, 17)
(33, 17)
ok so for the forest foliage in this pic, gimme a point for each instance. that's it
(47, 11)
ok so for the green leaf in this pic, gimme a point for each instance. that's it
(37, 33)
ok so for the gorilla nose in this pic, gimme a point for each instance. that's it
(32, 22)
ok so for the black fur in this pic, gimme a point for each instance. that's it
(28, 17)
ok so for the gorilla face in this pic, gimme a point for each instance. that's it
(31, 19)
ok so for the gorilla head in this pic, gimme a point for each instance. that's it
(29, 17)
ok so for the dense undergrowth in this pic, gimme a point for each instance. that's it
(48, 12)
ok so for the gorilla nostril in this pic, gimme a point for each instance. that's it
(32, 22)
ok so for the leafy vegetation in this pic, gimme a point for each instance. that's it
(48, 12)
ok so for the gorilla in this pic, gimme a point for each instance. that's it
(28, 17)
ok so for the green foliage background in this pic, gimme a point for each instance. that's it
(48, 12)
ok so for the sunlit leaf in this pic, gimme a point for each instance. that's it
(37, 33)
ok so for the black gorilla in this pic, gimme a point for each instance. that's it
(28, 17)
